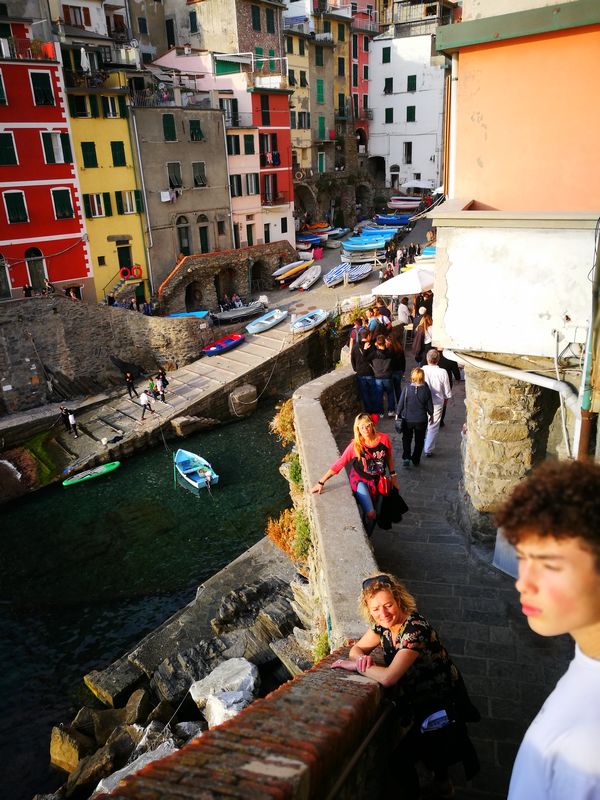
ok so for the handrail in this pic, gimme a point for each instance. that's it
(117, 273)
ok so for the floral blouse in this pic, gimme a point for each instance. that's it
(431, 680)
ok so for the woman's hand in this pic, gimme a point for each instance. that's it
(317, 488)
(394, 481)
(345, 663)
(363, 663)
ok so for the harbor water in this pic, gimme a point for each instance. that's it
(86, 572)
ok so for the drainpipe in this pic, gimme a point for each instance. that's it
(565, 390)
(147, 210)
(453, 115)
(584, 427)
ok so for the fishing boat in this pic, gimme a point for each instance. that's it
(404, 203)
(308, 321)
(193, 472)
(304, 246)
(335, 275)
(197, 314)
(333, 244)
(306, 280)
(269, 320)
(315, 226)
(378, 230)
(358, 272)
(286, 268)
(237, 314)
(224, 344)
(312, 238)
(292, 273)
(368, 243)
(392, 219)
(307, 255)
(337, 233)
(88, 474)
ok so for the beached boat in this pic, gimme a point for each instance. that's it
(377, 231)
(368, 243)
(292, 273)
(308, 321)
(193, 472)
(197, 314)
(307, 255)
(337, 233)
(314, 226)
(304, 246)
(238, 314)
(285, 268)
(269, 320)
(333, 244)
(312, 238)
(392, 219)
(404, 203)
(306, 280)
(88, 474)
(224, 344)
(335, 275)
(358, 272)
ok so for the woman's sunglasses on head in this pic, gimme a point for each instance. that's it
(376, 579)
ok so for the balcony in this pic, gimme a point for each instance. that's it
(239, 119)
(271, 199)
(415, 19)
(362, 24)
(15, 49)
(364, 113)
(99, 79)
(296, 24)
(270, 159)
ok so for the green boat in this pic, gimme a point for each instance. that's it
(88, 474)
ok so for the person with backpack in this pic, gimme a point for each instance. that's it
(380, 359)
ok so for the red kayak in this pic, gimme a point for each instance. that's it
(224, 344)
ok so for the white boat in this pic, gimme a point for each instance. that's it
(337, 233)
(358, 272)
(306, 255)
(193, 472)
(267, 321)
(285, 268)
(304, 246)
(308, 321)
(306, 280)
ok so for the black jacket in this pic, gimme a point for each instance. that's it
(381, 361)
(360, 363)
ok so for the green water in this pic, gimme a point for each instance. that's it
(85, 572)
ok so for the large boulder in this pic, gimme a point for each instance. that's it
(68, 746)
(102, 763)
(225, 705)
(240, 607)
(109, 783)
(113, 684)
(175, 675)
(234, 675)
(138, 708)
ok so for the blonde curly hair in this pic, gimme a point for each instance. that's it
(385, 582)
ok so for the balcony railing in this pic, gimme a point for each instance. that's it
(270, 159)
(364, 113)
(274, 198)
(238, 119)
(362, 24)
(27, 49)
(152, 98)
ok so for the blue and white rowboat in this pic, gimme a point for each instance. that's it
(308, 321)
(267, 321)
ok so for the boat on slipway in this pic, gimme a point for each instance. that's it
(193, 472)
(299, 266)
(240, 313)
(364, 244)
(307, 279)
(335, 275)
(308, 321)
(266, 322)
(286, 268)
(224, 344)
(358, 272)
(392, 219)
(89, 474)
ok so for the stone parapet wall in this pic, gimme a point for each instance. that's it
(72, 343)
(341, 555)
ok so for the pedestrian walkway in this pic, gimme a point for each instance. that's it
(509, 670)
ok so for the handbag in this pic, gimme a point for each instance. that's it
(384, 485)
(400, 425)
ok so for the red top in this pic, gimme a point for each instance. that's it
(374, 460)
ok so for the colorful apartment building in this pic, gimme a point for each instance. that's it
(297, 47)
(42, 231)
(363, 28)
(112, 196)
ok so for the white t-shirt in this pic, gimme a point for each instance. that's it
(559, 758)
(439, 383)
(403, 314)
(144, 399)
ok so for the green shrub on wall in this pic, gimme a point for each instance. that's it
(321, 648)
(295, 470)
(302, 538)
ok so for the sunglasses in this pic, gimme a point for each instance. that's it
(376, 579)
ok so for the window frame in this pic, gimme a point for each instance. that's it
(177, 164)
(319, 55)
(84, 158)
(235, 181)
(386, 55)
(61, 137)
(203, 170)
(195, 129)
(8, 219)
(270, 26)
(117, 151)
(63, 189)
(193, 19)
(48, 73)
(411, 113)
(14, 163)
(320, 91)
(255, 18)
(407, 152)
(252, 183)
(341, 67)
(411, 83)
(249, 150)
(389, 115)
(3, 95)
(142, 26)
(232, 141)
(164, 129)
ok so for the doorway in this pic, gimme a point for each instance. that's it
(36, 268)
(170, 28)
(124, 256)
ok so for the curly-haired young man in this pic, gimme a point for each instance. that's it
(553, 520)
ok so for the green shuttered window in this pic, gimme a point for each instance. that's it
(320, 90)
(88, 151)
(8, 153)
(169, 132)
(15, 206)
(196, 134)
(118, 154)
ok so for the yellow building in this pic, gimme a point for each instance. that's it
(338, 25)
(297, 51)
(112, 200)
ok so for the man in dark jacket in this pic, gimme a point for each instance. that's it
(364, 374)
(380, 359)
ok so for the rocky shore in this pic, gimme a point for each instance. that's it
(200, 668)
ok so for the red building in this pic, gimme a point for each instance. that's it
(42, 232)
(271, 114)
(363, 28)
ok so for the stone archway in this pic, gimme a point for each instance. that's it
(361, 138)
(364, 199)
(376, 169)
(260, 276)
(305, 200)
(193, 296)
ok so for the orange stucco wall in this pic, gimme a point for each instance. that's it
(528, 123)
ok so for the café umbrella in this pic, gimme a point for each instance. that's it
(414, 281)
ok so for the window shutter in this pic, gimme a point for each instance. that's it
(123, 112)
(88, 150)
(196, 134)
(93, 105)
(255, 18)
(139, 203)
(118, 154)
(67, 14)
(8, 154)
(272, 63)
(72, 107)
(320, 91)
(15, 205)
(169, 132)
(248, 144)
(66, 148)
(411, 83)
(86, 17)
(62, 204)
(292, 119)
(87, 207)
(48, 149)
(2, 92)
(119, 199)
(107, 204)
(105, 107)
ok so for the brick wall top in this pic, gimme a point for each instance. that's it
(292, 744)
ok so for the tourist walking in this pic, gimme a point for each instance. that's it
(64, 416)
(364, 374)
(439, 383)
(370, 455)
(73, 424)
(380, 359)
(432, 689)
(146, 400)
(130, 385)
(414, 410)
(422, 336)
(394, 345)
(160, 388)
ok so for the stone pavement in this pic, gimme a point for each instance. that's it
(509, 670)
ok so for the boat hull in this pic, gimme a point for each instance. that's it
(268, 321)
(224, 344)
(89, 474)
(193, 472)
(308, 321)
